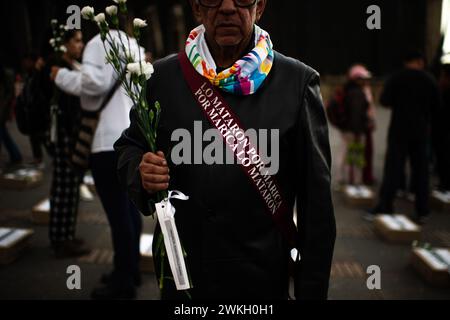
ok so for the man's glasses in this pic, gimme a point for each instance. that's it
(217, 3)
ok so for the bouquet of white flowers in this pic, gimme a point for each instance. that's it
(133, 73)
(58, 32)
(57, 44)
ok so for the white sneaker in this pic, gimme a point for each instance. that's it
(86, 194)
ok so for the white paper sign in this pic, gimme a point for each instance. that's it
(166, 218)
(441, 263)
(4, 231)
(442, 196)
(146, 244)
(10, 236)
(22, 174)
(352, 191)
(390, 222)
(361, 192)
(43, 206)
(444, 254)
(398, 222)
(405, 223)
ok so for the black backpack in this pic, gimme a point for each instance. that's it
(336, 111)
(32, 107)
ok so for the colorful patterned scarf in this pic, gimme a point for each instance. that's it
(245, 76)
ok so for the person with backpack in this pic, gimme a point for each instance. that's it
(350, 111)
(32, 105)
(6, 111)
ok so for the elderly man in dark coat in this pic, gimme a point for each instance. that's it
(237, 247)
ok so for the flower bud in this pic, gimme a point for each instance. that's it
(88, 13)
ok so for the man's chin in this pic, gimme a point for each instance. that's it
(228, 41)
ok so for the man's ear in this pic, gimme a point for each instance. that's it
(260, 7)
(196, 11)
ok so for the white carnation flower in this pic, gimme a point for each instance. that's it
(120, 1)
(148, 70)
(111, 10)
(134, 68)
(87, 12)
(139, 68)
(139, 23)
(100, 18)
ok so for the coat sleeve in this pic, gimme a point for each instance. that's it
(316, 222)
(69, 81)
(97, 76)
(130, 149)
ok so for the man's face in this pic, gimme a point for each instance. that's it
(228, 25)
(75, 46)
(416, 64)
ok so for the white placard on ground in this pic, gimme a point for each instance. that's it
(442, 196)
(361, 192)
(433, 261)
(10, 236)
(398, 222)
(22, 174)
(146, 244)
(43, 206)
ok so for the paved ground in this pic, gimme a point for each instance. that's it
(37, 275)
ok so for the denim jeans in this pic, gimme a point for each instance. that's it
(10, 145)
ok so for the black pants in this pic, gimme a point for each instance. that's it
(124, 220)
(37, 142)
(64, 194)
(399, 150)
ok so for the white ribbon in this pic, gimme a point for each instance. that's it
(166, 216)
(174, 194)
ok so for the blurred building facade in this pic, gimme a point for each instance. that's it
(329, 35)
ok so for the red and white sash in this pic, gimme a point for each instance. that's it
(226, 122)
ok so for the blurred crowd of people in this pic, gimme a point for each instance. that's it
(418, 135)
